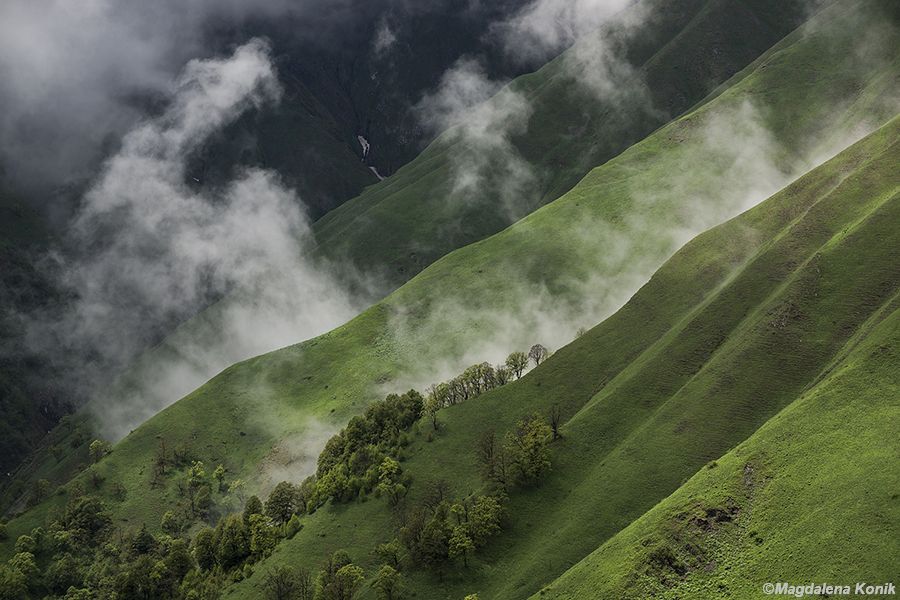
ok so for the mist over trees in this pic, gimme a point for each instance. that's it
(80, 554)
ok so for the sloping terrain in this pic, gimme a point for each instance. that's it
(809, 497)
(670, 62)
(687, 49)
(309, 137)
(339, 85)
(266, 419)
(793, 304)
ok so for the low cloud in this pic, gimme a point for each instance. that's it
(78, 75)
(543, 28)
(480, 118)
(157, 248)
(484, 119)
(730, 162)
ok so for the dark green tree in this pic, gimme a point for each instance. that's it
(517, 362)
(254, 506)
(233, 541)
(281, 503)
(280, 583)
(528, 447)
(205, 548)
(390, 553)
(484, 519)
(388, 583)
(143, 542)
(460, 544)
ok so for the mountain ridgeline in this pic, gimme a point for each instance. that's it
(709, 249)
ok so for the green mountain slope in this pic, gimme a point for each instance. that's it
(568, 133)
(808, 498)
(265, 419)
(741, 323)
(682, 54)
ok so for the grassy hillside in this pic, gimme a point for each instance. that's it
(809, 497)
(800, 314)
(569, 132)
(265, 419)
(680, 54)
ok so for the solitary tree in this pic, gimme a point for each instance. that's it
(460, 544)
(486, 453)
(517, 362)
(388, 583)
(484, 519)
(528, 447)
(39, 490)
(98, 449)
(537, 354)
(280, 583)
(492, 460)
(555, 418)
(280, 504)
(390, 553)
(196, 478)
(432, 406)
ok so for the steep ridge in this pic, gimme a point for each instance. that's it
(338, 85)
(740, 323)
(676, 56)
(807, 499)
(335, 87)
(529, 144)
(246, 416)
(569, 131)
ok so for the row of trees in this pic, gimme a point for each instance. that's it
(481, 378)
(81, 556)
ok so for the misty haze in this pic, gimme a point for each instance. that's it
(449, 299)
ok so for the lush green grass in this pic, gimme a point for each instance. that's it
(722, 338)
(402, 225)
(282, 400)
(808, 498)
(728, 333)
(685, 36)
